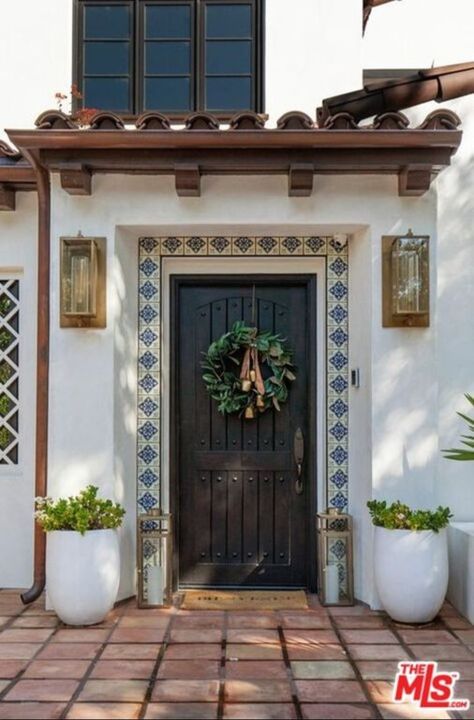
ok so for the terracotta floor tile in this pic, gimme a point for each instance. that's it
(197, 622)
(256, 669)
(113, 691)
(185, 690)
(250, 691)
(11, 668)
(324, 651)
(203, 635)
(340, 691)
(30, 635)
(137, 635)
(48, 690)
(129, 651)
(4, 619)
(410, 712)
(260, 711)
(371, 637)
(69, 651)
(268, 651)
(336, 711)
(72, 669)
(189, 669)
(465, 690)
(422, 636)
(377, 652)
(31, 711)
(380, 691)
(18, 651)
(203, 613)
(183, 651)
(252, 620)
(36, 621)
(322, 670)
(252, 635)
(181, 711)
(377, 670)
(351, 610)
(72, 635)
(441, 652)
(104, 711)
(4, 684)
(466, 636)
(310, 637)
(123, 669)
(308, 621)
(152, 621)
(359, 622)
(457, 623)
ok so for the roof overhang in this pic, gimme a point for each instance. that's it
(296, 148)
(16, 174)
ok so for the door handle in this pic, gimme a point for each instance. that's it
(298, 452)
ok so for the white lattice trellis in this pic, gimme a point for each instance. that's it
(9, 371)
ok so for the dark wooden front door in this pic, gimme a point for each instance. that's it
(240, 521)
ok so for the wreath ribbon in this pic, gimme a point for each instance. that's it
(251, 362)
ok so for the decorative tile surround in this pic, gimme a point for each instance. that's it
(151, 251)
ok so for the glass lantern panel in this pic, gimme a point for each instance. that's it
(410, 276)
(79, 279)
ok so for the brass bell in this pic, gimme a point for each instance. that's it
(249, 412)
(246, 385)
(253, 375)
(260, 401)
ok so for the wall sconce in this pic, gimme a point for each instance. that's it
(405, 280)
(83, 282)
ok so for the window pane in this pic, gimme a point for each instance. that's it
(228, 21)
(228, 93)
(110, 58)
(107, 21)
(168, 21)
(168, 58)
(228, 57)
(107, 94)
(167, 94)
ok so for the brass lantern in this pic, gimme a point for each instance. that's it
(335, 565)
(154, 551)
(406, 280)
(83, 281)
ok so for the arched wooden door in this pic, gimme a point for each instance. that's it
(240, 521)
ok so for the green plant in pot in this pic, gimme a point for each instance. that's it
(467, 452)
(82, 557)
(410, 559)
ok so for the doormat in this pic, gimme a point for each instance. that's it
(244, 600)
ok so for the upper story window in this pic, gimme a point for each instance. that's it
(172, 56)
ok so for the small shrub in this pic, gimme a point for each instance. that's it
(400, 517)
(82, 512)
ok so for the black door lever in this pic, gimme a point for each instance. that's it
(298, 452)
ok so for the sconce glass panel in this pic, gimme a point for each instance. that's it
(83, 282)
(405, 281)
(154, 549)
(335, 564)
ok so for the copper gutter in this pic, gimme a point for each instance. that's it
(439, 84)
(42, 377)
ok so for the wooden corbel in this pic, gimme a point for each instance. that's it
(76, 180)
(7, 198)
(188, 180)
(300, 180)
(414, 180)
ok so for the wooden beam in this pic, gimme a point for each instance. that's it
(188, 180)
(300, 180)
(76, 180)
(7, 198)
(414, 180)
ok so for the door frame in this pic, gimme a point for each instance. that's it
(314, 362)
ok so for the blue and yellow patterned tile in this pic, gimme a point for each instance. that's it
(220, 245)
(291, 245)
(195, 245)
(268, 245)
(243, 245)
(314, 245)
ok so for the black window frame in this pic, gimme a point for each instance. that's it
(137, 74)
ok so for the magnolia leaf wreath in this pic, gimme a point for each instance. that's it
(266, 368)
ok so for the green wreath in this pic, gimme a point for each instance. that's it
(266, 369)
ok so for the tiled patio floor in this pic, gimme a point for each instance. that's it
(196, 664)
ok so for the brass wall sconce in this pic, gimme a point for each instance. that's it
(83, 282)
(405, 280)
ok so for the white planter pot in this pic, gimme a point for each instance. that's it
(82, 574)
(411, 573)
